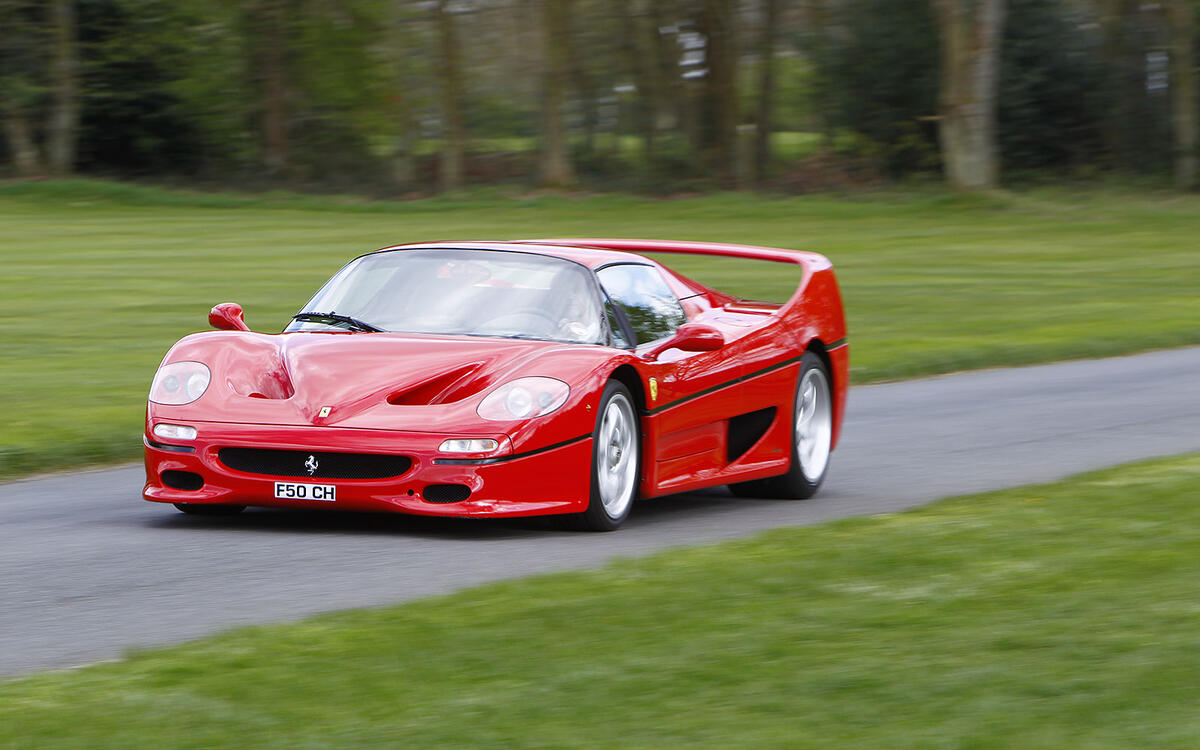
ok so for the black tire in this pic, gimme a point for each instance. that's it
(616, 461)
(800, 481)
(208, 509)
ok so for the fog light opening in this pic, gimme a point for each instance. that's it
(446, 493)
(188, 481)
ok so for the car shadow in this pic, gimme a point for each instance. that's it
(651, 512)
(668, 508)
(295, 521)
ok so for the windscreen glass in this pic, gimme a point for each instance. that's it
(462, 292)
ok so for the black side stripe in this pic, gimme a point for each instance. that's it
(513, 457)
(726, 384)
(164, 447)
(647, 412)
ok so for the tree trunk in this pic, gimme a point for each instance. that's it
(640, 63)
(766, 91)
(404, 168)
(268, 25)
(1124, 79)
(668, 90)
(579, 77)
(64, 73)
(21, 144)
(403, 161)
(555, 163)
(453, 129)
(1184, 116)
(970, 32)
(526, 37)
(720, 109)
(816, 17)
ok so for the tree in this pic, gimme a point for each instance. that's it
(554, 163)
(268, 20)
(719, 108)
(1054, 92)
(874, 84)
(20, 82)
(27, 72)
(1184, 115)
(667, 90)
(404, 168)
(766, 90)
(64, 118)
(639, 65)
(1133, 49)
(453, 130)
(969, 31)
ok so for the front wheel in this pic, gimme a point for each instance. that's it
(812, 438)
(616, 456)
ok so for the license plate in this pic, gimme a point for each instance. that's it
(301, 491)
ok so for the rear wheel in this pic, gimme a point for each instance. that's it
(812, 438)
(209, 509)
(616, 453)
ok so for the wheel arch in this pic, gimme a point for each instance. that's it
(837, 390)
(628, 376)
(817, 346)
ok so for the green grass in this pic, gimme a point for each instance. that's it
(1055, 616)
(99, 279)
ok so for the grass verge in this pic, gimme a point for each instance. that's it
(99, 279)
(1060, 615)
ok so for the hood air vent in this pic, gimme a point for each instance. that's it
(442, 389)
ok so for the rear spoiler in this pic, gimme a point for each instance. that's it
(808, 261)
(813, 261)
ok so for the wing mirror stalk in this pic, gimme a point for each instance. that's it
(690, 337)
(227, 316)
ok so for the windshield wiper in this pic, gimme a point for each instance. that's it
(354, 323)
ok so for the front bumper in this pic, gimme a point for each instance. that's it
(553, 480)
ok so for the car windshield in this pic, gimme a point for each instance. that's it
(459, 292)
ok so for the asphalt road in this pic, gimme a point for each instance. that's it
(88, 569)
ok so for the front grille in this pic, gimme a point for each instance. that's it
(281, 463)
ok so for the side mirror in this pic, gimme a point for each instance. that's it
(227, 316)
(690, 337)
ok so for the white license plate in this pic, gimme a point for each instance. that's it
(300, 491)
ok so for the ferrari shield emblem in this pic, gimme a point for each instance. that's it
(653, 389)
(325, 411)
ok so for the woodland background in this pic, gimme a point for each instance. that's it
(413, 97)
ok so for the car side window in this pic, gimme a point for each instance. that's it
(619, 338)
(652, 310)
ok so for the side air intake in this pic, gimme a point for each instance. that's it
(747, 429)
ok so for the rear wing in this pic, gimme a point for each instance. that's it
(811, 262)
(816, 261)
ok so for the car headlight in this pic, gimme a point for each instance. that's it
(180, 383)
(524, 398)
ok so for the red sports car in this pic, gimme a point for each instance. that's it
(506, 379)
